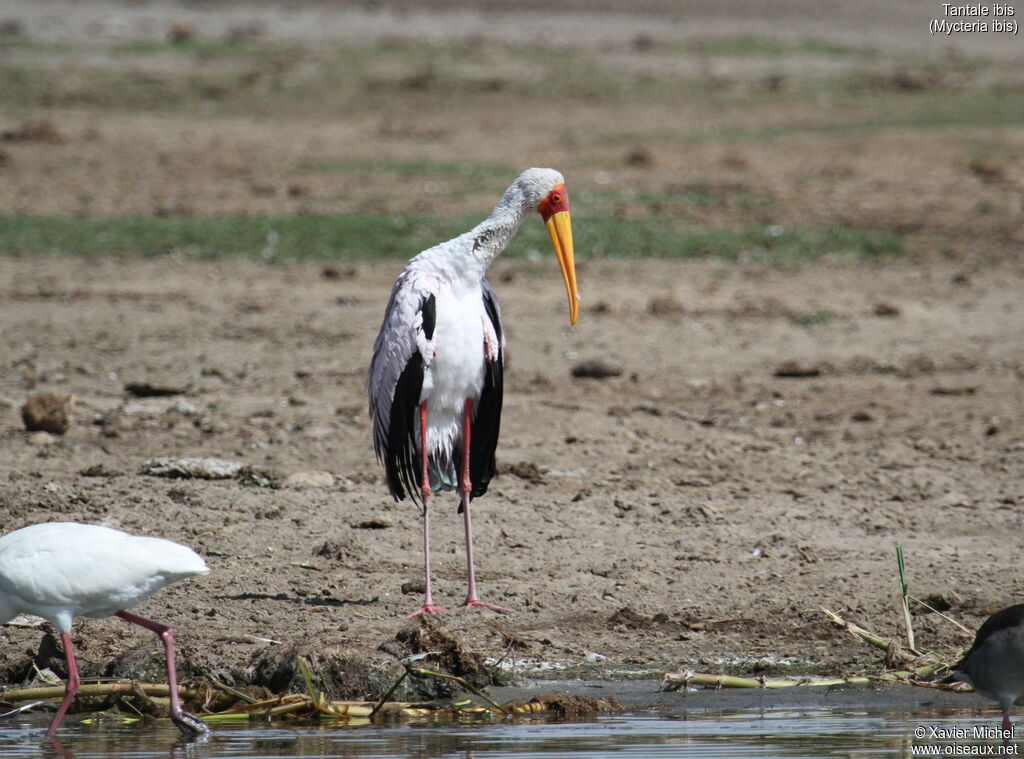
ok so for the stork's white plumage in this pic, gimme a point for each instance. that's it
(436, 374)
(62, 570)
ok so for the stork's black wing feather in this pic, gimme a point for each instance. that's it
(486, 424)
(395, 382)
(401, 459)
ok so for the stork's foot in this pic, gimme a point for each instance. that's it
(189, 724)
(471, 603)
(428, 608)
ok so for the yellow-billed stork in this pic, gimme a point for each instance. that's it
(435, 382)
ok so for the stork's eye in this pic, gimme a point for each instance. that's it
(556, 198)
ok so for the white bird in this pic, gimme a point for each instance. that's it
(435, 382)
(62, 570)
(994, 665)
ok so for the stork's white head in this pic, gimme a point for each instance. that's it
(544, 190)
(535, 184)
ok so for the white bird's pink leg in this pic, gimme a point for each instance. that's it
(465, 487)
(428, 601)
(70, 688)
(186, 722)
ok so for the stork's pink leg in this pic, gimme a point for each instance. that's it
(465, 486)
(70, 688)
(428, 601)
(186, 722)
(1007, 729)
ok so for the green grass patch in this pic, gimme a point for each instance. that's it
(367, 237)
(271, 238)
(813, 318)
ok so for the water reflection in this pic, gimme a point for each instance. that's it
(768, 733)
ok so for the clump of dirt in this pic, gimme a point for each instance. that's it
(449, 654)
(341, 670)
(33, 130)
(596, 368)
(665, 305)
(566, 706)
(48, 412)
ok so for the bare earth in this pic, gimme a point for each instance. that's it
(696, 486)
(696, 510)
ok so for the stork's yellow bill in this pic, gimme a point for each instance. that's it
(554, 209)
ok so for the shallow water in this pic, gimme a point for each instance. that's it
(761, 733)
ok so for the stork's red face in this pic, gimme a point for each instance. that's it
(554, 209)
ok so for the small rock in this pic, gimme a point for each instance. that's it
(98, 470)
(340, 548)
(640, 157)
(886, 310)
(155, 389)
(244, 32)
(943, 600)
(596, 368)
(626, 617)
(48, 412)
(187, 468)
(11, 27)
(861, 416)
(988, 170)
(41, 438)
(796, 370)
(181, 31)
(414, 587)
(526, 470)
(33, 130)
(961, 390)
(373, 524)
(309, 480)
(643, 42)
(665, 305)
(334, 271)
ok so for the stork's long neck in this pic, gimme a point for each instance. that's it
(491, 236)
(467, 257)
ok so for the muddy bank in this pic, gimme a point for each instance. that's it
(694, 511)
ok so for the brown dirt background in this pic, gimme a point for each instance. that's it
(719, 504)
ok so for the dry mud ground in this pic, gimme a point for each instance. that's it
(694, 511)
(718, 505)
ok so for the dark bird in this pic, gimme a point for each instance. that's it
(994, 666)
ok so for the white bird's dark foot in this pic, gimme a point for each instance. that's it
(472, 603)
(189, 723)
